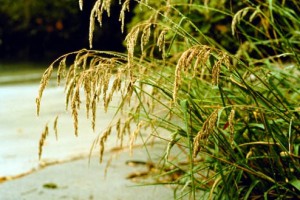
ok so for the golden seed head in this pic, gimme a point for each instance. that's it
(134, 135)
(198, 52)
(44, 81)
(161, 41)
(55, 127)
(102, 141)
(145, 35)
(42, 140)
(61, 71)
(125, 7)
(131, 40)
(231, 121)
(206, 130)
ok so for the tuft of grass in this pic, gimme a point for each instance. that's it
(211, 81)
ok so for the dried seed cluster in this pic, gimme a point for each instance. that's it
(207, 128)
(95, 76)
(42, 140)
(195, 58)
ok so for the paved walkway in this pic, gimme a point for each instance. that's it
(20, 131)
(79, 180)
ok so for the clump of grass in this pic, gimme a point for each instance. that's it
(230, 111)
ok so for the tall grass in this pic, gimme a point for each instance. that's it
(221, 79)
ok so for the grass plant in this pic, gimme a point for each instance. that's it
(218, 81)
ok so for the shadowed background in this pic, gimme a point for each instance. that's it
(32, 30)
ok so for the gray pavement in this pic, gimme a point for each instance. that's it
(80, 180)
(20, 130)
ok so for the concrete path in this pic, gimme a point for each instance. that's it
(79, 180)
(20, 130)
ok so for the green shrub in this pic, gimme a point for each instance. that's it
(221, 79)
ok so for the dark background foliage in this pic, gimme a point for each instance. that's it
(43, 30)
